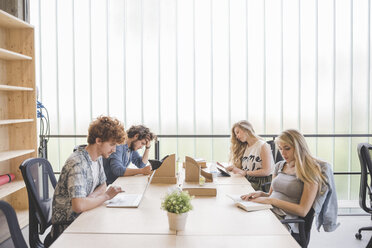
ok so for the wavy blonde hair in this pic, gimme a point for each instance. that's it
(307, 167)
(237, 147)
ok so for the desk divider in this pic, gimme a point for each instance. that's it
(167, 171)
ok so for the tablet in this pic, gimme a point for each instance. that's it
(223, 170)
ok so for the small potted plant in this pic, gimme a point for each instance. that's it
(177, 204)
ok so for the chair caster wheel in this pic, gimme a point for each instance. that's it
(358, 236)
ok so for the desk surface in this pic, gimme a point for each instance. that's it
(213, 221)
(211, 215)
(160, 241)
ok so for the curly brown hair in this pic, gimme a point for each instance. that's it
(107, 129)
(142, 131)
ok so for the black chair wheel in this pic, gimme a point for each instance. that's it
(358, 236)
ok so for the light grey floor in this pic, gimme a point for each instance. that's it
(9, 244)
(342, 237)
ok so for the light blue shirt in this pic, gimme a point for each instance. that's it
(325, 204)
(116, 165)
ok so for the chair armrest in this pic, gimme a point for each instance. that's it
(296, 220)
(265, 187)
(369, 190)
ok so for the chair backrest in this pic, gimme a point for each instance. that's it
(40, 183)
(275, 151)
(364, 153)
(309, 218)
(10, 227)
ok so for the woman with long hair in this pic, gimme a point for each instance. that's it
(296, 180)
(250, 155)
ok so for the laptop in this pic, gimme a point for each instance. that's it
(123, 200)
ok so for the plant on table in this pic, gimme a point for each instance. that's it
(177, 204)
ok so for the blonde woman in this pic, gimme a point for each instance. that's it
(296, 180)
(250, 155)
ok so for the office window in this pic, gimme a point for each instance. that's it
(186, 67)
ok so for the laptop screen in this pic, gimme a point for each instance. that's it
(147, 185)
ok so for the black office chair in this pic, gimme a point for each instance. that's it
(277, 157)
(10, 226)
(276, 153)
(364, 153)
(304, 227)
(40, 183)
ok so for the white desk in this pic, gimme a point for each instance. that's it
(214, 221)
(234, 179)
(147, 218)
(72, 240)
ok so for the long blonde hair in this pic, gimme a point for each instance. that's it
(237, 147)
(307, 167)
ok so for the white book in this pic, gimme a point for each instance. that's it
(248, 205)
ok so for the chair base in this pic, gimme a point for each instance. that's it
(358, 235)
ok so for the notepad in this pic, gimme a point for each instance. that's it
(248, 205)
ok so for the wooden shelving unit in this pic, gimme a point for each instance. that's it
(11, 187)
(9, 55)
(18, 133)
(14, 88)
(6, 155)
(15, 121)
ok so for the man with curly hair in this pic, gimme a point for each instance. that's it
(82, 183)
(117, 164)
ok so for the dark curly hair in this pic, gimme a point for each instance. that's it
(106, 128)
(142, 131)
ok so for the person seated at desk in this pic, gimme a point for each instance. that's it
(298, 182)
(117, 164)
(250, 155)
(82, 183)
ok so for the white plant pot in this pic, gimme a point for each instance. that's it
(177, 222)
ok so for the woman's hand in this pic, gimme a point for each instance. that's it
(263, 200)
(238, 171)
(251, 196)
(230, 168)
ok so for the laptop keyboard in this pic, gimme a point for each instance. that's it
(123, 199)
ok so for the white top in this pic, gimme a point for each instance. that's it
(95, 173)
(252, 156)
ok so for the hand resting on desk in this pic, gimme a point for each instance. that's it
(112, 191)
(253, 196)
(236, 170)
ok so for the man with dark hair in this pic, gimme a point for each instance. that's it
(82, 183)
(117, 164)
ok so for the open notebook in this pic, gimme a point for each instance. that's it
(248, 205)
(123, 200)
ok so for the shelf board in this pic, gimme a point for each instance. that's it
(14, 121)
(9, 188)
(9, 55)
(14, 88)
(9, 21)
(5, 155)
(22, 215)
